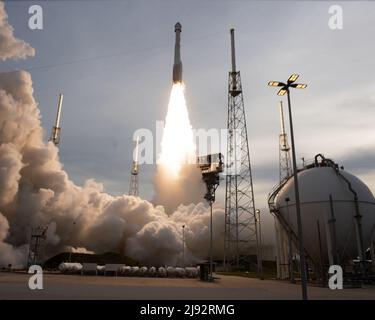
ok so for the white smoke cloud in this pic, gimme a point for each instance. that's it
(11, 47)
(35, 190)
(189, 188)
(9, 255)
(79, 250)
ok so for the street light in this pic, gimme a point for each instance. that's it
(287, 199)
(285, 89)
(183, 245)
(260, 258)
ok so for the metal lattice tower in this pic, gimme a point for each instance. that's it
(241, 230)
(285, 165)
(134, 186)
(36, 248)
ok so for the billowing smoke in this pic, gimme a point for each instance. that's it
(187, 189)
(35, 190)
(11, 47)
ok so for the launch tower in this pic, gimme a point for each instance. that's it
(241, 228)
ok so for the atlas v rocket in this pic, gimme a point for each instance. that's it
(177, 66)
(55, 136)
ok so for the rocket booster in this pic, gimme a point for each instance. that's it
(58, 116)
(55, 136)
(177, 66)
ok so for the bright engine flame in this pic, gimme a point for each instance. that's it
(177, 146)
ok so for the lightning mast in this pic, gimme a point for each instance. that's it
(241, 229)
(134, 188)
(55, 136)
(285, 167)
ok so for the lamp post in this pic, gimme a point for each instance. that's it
(291, 275)
(183, 245)
(211, 255)
(260, 258)
(285, 88)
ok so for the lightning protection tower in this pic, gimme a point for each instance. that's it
(285, 167)
(134, 188)
(36, 247)
(241, 229)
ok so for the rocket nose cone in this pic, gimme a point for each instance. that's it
(177, 27)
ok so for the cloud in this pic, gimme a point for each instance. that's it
(360, 160)
(11, 47)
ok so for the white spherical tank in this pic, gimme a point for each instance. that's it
(316, 184)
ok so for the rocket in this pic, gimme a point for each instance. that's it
(55, 136)
(177, 66)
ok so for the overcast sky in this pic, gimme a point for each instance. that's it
(113, 62)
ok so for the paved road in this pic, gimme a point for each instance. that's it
(57, 286)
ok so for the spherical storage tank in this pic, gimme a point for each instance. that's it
(316, 183)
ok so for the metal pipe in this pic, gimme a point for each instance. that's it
(260, 258)
(278, 254)
(136, 149)
(282, 125)
(233, 50)
(332, 227)
(372, 246)
(183, 245)
(322, 273)
(211, 262)
(358, 222)
(291, 274)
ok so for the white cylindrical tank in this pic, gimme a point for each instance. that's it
(66, 267)
(152, 271)
(162, 272)
(134, 271)
(143, 271)
(316, 184)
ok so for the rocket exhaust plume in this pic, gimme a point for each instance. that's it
(55, 136)
(177, 146)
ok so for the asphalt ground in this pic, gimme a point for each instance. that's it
(61, 287)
